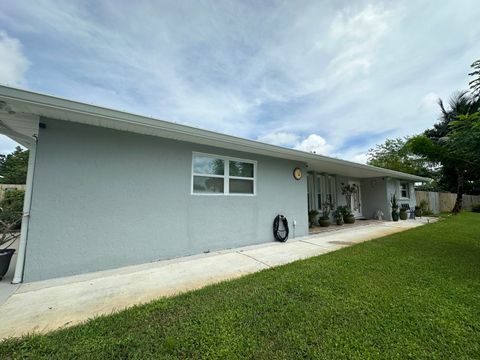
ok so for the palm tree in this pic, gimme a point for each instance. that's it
(461, 104)
(449, 142)
(475, 83)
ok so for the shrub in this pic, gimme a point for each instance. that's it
(11, 206)
(338, 213)
(312, 217)
(476, 208)
(394, 202)
(425, 208)
(326, 209)
(344, 211)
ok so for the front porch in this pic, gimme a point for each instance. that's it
(361, 224)
(366, 198)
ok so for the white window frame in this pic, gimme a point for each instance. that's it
(331, 184)
(319, 190)
(328, 186)
(408, 190)
(226, 175)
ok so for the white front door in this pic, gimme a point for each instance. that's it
(356, 204)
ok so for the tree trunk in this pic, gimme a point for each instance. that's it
(458, 202)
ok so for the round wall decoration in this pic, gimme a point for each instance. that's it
(297, 173)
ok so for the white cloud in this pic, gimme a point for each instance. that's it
(350, 71)
(13, 63)
(280, 139)
(430, 101)
(367, 24)
(313, 143)
(356, 35)
(316, 144)
(359, 158)
(7, 145)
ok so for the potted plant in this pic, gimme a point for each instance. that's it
(10, 218)
(403, 214)
(418, 211)
(312, 217)
(348, 190)
(324, 220)
(338, 215)
(8, 234)
(348, 216)
(394, 206)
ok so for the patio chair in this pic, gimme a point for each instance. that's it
(409, 211)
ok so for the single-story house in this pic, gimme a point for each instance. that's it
(106, 188)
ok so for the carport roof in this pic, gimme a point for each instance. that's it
(21, 109)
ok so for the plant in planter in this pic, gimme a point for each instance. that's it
(403, 214)
(394, 206)
(338, 215)
(418, 211)
(348, 190)
(425, 207)
(10, 219)
(348, 217)
(324, 220)
(312, 217)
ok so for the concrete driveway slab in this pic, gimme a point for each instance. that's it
(288, 252)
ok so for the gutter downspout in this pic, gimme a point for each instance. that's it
(19, 267)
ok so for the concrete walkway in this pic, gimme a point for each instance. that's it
(47, 305)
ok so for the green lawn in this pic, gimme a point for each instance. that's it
(413, 295)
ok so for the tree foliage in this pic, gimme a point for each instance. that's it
(13, 167)
(449, 152)
(393, 154)
(454, 142)
(11, 209)
(475, 83)
(464, 140)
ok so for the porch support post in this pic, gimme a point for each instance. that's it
(19, 267)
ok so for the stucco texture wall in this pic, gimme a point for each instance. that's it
(104, 198)
(393, 187)
(374, 195)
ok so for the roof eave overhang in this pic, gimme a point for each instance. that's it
(31, 103)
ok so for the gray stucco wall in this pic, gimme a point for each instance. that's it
(393, 187)
(374, 197)
(104, 198)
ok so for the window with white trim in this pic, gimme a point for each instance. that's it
(220, 175)
(330, 190)
(405, 190)
(325, 190)
(319, 191)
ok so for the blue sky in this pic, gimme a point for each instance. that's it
(335, 77)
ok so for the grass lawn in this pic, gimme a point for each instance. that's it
(414, 295)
